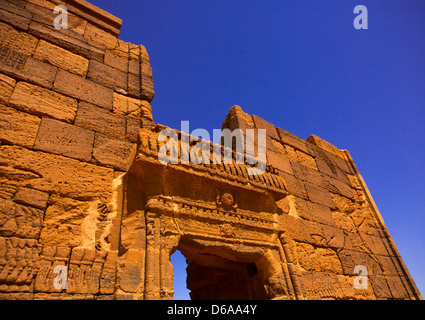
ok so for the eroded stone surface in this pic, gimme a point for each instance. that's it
(81, 187)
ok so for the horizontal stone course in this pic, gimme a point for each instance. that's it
(75, 192)
(18, 127)
(72, 178)
(319, 195)
(64, 139)
(16, 40)
(43, 102)
(113, 153)
(15, 14)
(43, 11)
(116, 61)
(6, 87)
(294, 141)
(83, 89)
(101, 120)
(279, 162)
(67, 39)
(263, 124)
(61, 58)
(107, 76)
(31, 197)
(30, 70)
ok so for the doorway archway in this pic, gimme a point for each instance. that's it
(227, 272)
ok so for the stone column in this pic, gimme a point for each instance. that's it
(168, 245)
(292, 269)
(152, 274)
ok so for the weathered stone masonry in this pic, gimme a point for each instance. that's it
(81, 186)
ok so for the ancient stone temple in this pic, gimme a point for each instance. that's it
(88, 211)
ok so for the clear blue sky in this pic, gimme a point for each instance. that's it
(302, 66)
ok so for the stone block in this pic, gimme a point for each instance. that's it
(120, 104)
(95, 15)
(134, 51)
(237, 119)
(116, 61)
(101, 120)
(61, 58)
(322, 285)
(19, 221)
(319, 195)
(333, 166)
(352, 293)
(263, 124)
(100, 36)
(280, 162)
(318, 259)
(43, 102)
(341, 163)
(64, 139)
(132, 129)
(336, 186)
(108, 277)
(302, 230)
(123, 49)
(6, 87)
(321, 214)
(107, 76)
(143, 53)
(18, 41)
(325, 167)
(73, 178)
(132, 271)
(397, 288)
(145, 69)
(67, 39)
(18, 127)
(133, 67)
(147, 91)
(292, 140)
(131, 107)
(313, 139)
(293, 185)
(62, 225)
(15, 16)
(133, 85)
(306, 160)
(309, 175)
(86, 90)
(114, 153)
(43, 12)
(294, 154)
(145, 110)
(32, 197)
(23, 67)
(8, 187)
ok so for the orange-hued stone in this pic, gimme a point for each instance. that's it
(82, 189)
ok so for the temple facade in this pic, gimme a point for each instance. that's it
(89, 211)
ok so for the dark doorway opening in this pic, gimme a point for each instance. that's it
(212, 277)
(227, 281)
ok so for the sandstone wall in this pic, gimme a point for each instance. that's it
(81, 185)
(331, 221)
(71, 104)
